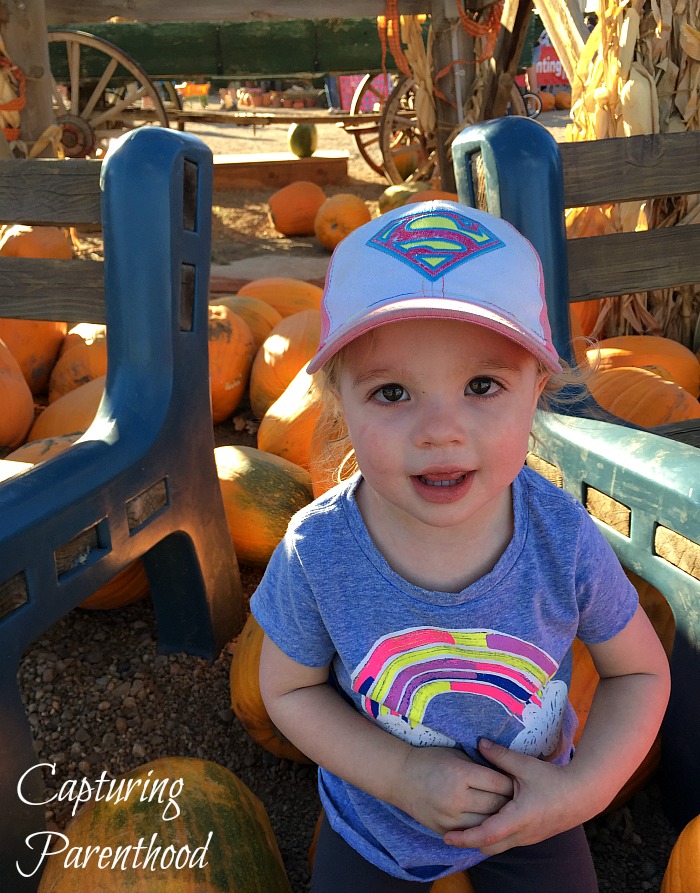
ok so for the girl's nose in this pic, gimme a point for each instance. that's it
(440, 424)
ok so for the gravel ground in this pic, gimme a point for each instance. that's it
(100, 697)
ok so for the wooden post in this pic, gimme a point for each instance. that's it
(451, 44)
(23, 28)
(500, 79)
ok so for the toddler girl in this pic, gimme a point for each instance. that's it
(419, 617)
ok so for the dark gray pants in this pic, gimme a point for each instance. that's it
(562, 863)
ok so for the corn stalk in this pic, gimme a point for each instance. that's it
(639, 73)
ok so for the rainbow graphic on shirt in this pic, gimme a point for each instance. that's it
(404, 671)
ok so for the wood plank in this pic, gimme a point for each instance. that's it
(264, 116)
(49, 191)
(630, 168)
(623, 263)
(276, 169)
(62, 12)
(52, 289)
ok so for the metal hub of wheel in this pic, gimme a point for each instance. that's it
(99, 92)
(78, 139)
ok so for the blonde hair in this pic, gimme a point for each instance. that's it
(336, 459)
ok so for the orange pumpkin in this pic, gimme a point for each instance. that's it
(562, 99)
(36, 241)
(261, 493)
(16, 402)
(83, 357)
(338, 216)
(682, 873)
(231, 352)
(407, 158)
(285, 294)
(288, 425)
(586, 313)
(246, 700)
(35, 344)
(286, 350)
(260, 316)
(579, 342)
(548, 100)
(70, 413)
(641, 397)
(128, 586)
(293, 208)
(453, 883)
(649, 350)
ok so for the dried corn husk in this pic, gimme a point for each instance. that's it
(638, 73)
(419, 59)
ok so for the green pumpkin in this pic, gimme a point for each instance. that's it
(302, 140)
(203, 830)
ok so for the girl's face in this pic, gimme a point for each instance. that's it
(439, 414)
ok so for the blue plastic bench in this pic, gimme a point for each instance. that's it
(142, 481)
(512, 167)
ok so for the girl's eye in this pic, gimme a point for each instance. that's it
(391, 393)
(483, 387)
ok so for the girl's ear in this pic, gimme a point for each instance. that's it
(540, 384)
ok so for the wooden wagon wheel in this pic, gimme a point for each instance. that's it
(171, 99)
(407, 153)
(99, 92)
(371, 87)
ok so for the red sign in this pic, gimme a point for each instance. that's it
(348, 84)
(550, 71)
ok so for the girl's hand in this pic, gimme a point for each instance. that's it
(443, 789)
(625, 716)
(544, 803)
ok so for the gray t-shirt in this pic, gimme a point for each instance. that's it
(443, 668)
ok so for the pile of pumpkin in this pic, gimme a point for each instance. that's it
(303, 209)
(559, 100)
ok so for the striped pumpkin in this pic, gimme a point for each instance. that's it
(203, 815)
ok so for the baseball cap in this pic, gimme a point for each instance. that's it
(435, 260)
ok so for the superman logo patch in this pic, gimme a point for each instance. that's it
(435, 242)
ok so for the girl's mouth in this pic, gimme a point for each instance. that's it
(435, 480)
(443, 487)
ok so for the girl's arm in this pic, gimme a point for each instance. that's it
(625, 716)
(439, 786)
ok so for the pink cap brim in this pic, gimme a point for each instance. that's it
(438, 308)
